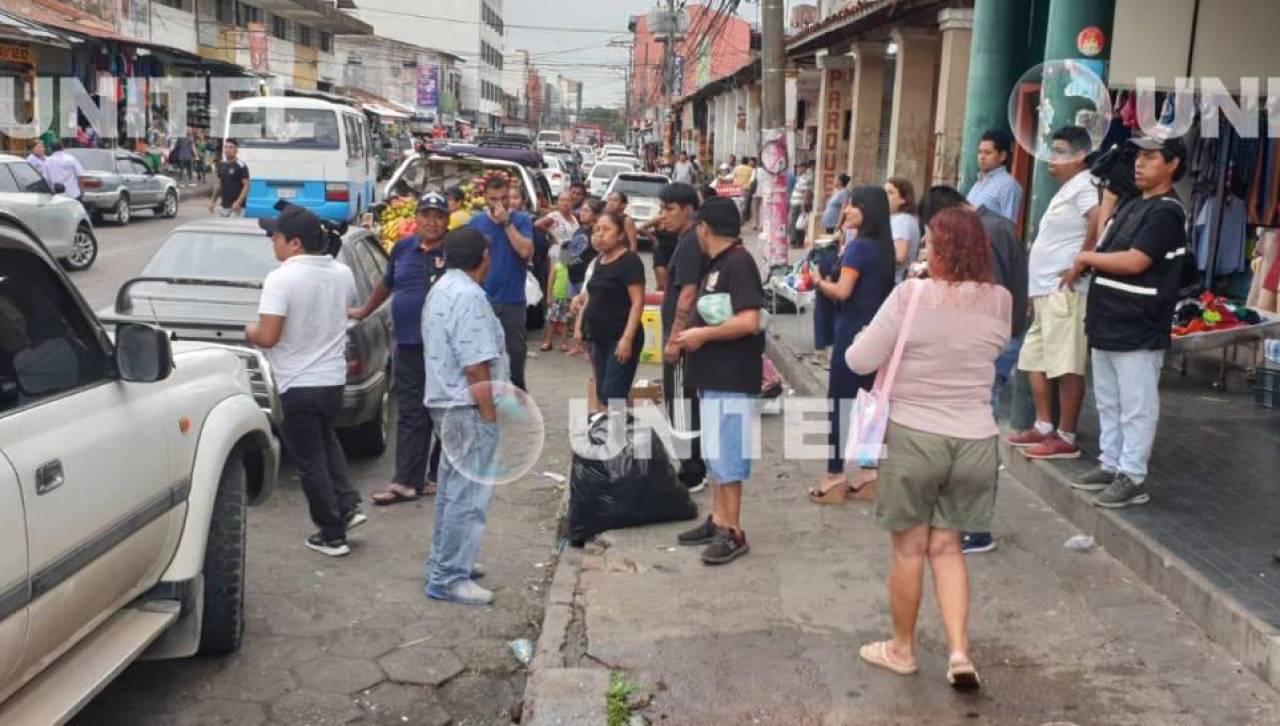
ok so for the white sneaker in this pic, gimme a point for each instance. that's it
(465, 592)
(355, 519)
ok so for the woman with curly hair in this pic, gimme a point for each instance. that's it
(937, 478)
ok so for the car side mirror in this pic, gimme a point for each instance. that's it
(143, 353)
(59, 189)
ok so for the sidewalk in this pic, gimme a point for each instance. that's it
(1059, 636)
(773, 637)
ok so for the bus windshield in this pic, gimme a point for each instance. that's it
(285, 128)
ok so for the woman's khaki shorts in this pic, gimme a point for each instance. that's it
(944, 482)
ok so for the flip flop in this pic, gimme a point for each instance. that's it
(962, 676)
(390, 496)
(544, 346)
(877, 654)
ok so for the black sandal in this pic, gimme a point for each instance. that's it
(391, 496)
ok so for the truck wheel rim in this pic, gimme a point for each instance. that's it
(81, 249)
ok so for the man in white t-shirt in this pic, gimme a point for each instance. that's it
(302, 326)
(1055, 349)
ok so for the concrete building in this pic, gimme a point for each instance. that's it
(422, 81)
(470, 29)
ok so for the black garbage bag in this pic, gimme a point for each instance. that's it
(622, 480)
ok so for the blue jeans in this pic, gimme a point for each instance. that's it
(462, 502)
(1006, 363)
(728, 429)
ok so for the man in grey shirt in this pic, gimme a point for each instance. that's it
(466, 369)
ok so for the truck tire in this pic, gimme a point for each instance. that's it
(222, 621)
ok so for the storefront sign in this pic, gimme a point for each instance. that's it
(832, 131)
(1091, 41)
(15, 54)
(258, 54)
(428, 86)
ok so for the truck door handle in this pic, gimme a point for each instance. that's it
(49, 477)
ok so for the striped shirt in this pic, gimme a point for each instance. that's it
(998, 191)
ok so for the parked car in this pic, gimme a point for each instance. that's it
(604, 150)
(204, 281)
(602, 174)
(126, 466)
(557, 176)
(624, 158)
(118, 183)
(642, 192)
(58, 221)
(550, 138)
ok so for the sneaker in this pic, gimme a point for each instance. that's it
(331, 547)
(700, 535)
(1122, 493)
(725, 548)
(355, 518)
(477, 571)
(974, 543)
(1026, 439)
(1052, 448)
(463, 592)
(1095, 481)
(695, 488)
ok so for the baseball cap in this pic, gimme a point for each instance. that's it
(464, 248)
(433, 200)
(1173, 145)
(721, 216)
(297, 222)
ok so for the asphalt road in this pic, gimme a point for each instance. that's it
(350, 640)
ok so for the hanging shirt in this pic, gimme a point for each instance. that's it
(998, 191)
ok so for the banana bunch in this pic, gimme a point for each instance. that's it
(397, 221)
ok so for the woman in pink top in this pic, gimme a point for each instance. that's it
(937, 478)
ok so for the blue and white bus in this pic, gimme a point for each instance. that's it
(306, 151)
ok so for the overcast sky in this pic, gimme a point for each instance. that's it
(582, 56)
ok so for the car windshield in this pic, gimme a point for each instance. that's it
(648, 187)
(94, 159)
(608, 170)
(279, 128)
(213, 255)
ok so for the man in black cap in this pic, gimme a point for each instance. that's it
(302, 326)
(467, 367)
(414, 265)
(1137, 271)
(724, 346)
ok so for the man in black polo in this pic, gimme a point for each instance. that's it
(1137, 272)
(684, 272)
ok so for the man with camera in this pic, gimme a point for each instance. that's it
(1137, 272)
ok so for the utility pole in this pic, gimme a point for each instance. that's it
(773, 152)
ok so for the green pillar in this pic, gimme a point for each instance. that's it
(1066, 19)
(995, 59)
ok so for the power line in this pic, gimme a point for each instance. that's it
(549, 28)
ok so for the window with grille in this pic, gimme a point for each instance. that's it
(326, 42)
(304, 36)
(279, 27)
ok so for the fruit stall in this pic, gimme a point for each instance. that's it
(397, 217)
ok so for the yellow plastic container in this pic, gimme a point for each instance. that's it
(651, 322)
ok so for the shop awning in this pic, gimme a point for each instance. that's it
(384, 112)
(13, 27)
(857, 17)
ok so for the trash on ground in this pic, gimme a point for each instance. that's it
(558, 478)
(523, 650)
(1080, 543)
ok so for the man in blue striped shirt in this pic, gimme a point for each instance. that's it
(996, 189)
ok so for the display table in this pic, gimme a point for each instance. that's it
(1228, 341)
(802, 300)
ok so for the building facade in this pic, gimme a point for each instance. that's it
(472, 30)
(421, 81)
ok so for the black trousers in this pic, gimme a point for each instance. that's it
(308, 434)
(513, 318)
(693, 469)
(415, 435)
(613, 379)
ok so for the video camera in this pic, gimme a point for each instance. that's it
(332, 230)
(1114, 170)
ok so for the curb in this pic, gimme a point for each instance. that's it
(796, 372)
(558, 693)
(1253, 642)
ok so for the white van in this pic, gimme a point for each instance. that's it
(306, 151)
(550, 138)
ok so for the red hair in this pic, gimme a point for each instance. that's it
(959, 249)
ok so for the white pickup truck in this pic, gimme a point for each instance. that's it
(126, 466)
